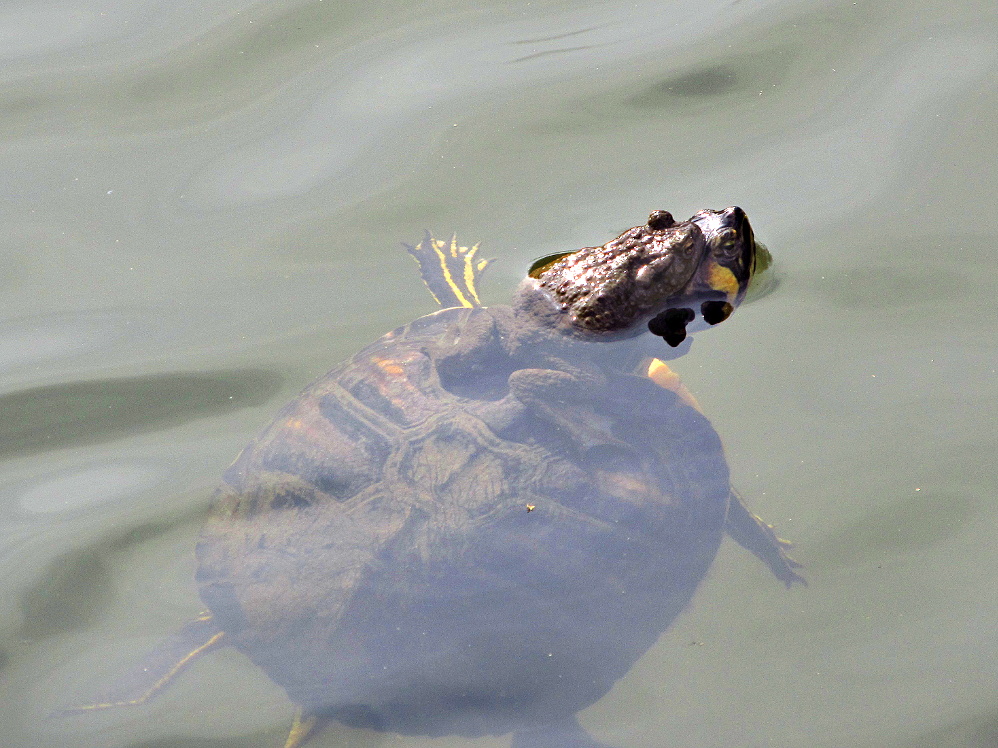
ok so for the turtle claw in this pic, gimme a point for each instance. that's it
(760, 538)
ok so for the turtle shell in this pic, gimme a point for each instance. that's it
(478, 523)
(395, 556)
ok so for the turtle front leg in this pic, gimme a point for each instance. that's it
(754, 535)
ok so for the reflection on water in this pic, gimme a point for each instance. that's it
(222, 188)
(69, 414)
(89, 485)
(73, 591)
(76, 587)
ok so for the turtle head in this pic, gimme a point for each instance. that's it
(651, 277)
(730, 261)
(720, 281)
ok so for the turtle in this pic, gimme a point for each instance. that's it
(478, 523)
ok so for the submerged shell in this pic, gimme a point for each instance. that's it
(373, 553)
(478, 523)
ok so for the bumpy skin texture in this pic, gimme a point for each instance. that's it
(603, 290)
(372, 550)
(614, 291)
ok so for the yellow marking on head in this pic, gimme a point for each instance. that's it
(438, 247)
(660, 373)
(721, 278)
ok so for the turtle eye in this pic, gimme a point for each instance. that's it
(727, 241)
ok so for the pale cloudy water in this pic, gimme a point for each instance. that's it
(201, 211)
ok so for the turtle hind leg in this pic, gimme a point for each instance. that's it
(567, 733)
(754, 535)
(158, 669)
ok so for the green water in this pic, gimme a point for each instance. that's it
(202, 210)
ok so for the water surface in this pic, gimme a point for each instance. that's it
(202, 211)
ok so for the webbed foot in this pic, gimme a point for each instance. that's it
(760, 538)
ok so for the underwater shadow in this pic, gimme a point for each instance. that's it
(75, 413)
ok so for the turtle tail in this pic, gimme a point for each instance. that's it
(158, 669)
(449, 270)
